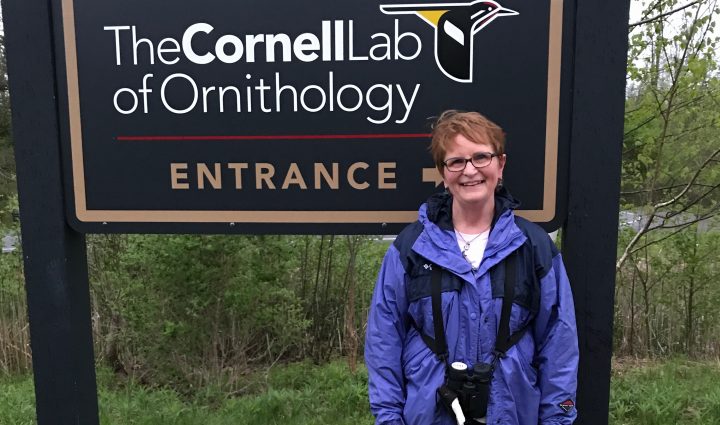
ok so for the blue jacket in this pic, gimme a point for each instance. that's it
(534, 384)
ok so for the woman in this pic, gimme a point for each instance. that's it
(476, 244)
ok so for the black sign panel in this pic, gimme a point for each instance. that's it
(286, 116)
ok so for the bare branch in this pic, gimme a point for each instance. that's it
(697, 200)
(630, 111)
(704, 217)
(660, 189)
(663, 112)
(654, 241)
(662, 15)
(680, 105)
(679, 228)
(635, 240)
(692, 181)
(641, 125)
(691, 130)
(652, 8)
(627, 152)
(630, 248)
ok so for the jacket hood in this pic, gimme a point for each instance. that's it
(439, 207)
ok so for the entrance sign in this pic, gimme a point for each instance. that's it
(295, 116)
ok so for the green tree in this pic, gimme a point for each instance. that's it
(671, 149)
(670, 176)
(8, 187)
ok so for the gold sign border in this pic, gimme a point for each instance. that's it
(175, 216)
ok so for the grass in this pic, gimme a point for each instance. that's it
(17, 401)
(643, 393)
(301, 394)
(671, 392)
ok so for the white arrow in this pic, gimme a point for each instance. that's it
(431, 175)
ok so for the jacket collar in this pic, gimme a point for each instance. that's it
(438, 243)
(439, 207)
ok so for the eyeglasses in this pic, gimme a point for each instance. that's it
(478, 160)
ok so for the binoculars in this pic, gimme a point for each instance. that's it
(466, 391)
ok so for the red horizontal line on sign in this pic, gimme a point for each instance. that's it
(277, 137)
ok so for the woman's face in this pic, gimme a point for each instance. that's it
(472, 186)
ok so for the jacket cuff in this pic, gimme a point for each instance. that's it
(392, 422)
(557, 421)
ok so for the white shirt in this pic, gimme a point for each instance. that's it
(475, 251)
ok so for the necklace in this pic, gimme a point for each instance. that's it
(467, 243)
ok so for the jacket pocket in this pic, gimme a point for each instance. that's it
(526, 354)
(520, 320)
(415, 354)
(421, 313)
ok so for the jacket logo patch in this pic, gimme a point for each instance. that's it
(427, 266)
(567, 405)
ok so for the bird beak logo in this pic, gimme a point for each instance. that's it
(455, 26)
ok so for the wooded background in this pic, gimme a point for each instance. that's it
(194, 312)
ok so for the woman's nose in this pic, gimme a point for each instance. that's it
(469, 169)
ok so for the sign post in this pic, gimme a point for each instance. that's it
(54, 255)
(589, 240)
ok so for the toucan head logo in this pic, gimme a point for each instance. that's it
(455, 27)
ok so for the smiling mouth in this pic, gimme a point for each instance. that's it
(473, 183)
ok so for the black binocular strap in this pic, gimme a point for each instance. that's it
(437, 345)
(504, 339)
